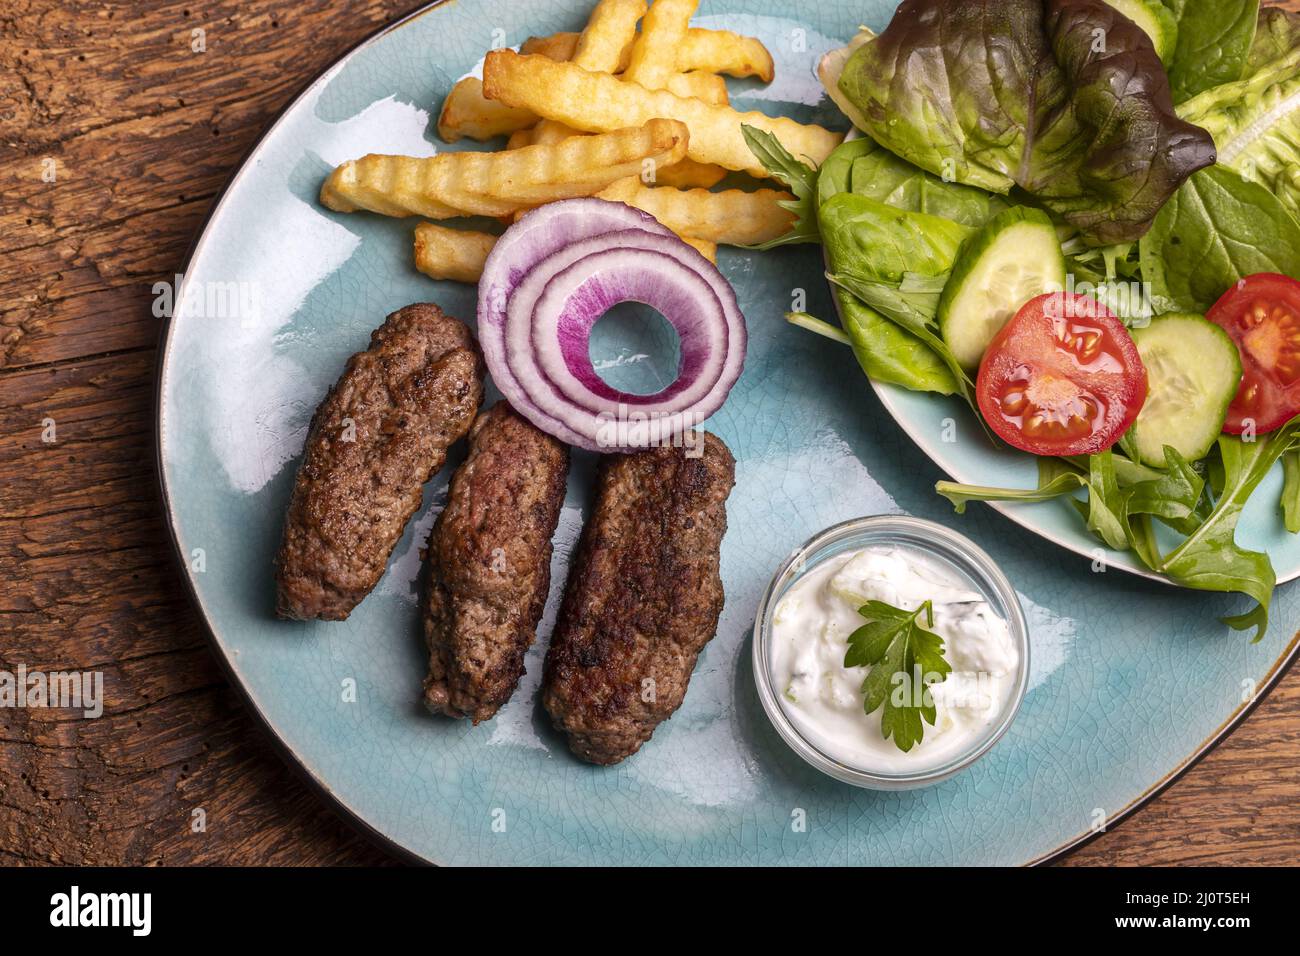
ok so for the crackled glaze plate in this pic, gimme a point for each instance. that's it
(1131, 680)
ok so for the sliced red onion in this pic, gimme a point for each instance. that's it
(548, 281)
(535, 236)
(541, 313)
(568, 308)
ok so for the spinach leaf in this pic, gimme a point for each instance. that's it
(1021, 94)
(1277, 34)
(893, 262)
(834, 176)
(864, 167)
(1214, 40)
(885, 244)
(885, 350)
(882, 176)
(887, 353)
(1217, 229)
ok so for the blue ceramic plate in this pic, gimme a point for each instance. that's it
(1131, 680)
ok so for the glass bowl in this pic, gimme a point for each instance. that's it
(943, 544)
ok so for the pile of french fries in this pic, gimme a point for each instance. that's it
(639, 116)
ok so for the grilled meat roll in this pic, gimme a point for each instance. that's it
(380, 434)
(489, 564)
(642, 600)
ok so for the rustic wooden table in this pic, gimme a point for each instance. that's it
(141, 131)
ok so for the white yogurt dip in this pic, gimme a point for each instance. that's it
(823, 698)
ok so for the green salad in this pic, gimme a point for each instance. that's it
(1081, 217)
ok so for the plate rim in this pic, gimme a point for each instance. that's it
(317, 784)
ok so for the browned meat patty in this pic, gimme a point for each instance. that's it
(643, 598)
(490, 564)
(380, 434)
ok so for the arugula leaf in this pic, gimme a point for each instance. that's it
(1291, 491)
(795, 174)
(1127, 470)
(1172, 496)
(905, 661)
(813, 324)
(1105, 508)
(1061, 484)
(1209, 558)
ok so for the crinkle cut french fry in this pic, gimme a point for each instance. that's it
(703, 86)
(654, 52)
(459, 254)
(601, 102)
(688, 174)
(721, 51)
(610, 30)
(520, 138)
(557, 46)
(456, 254)
(466, 112)
(549, 132)
(498, 184)
(731, 216)
(713, 51)
(345, 191)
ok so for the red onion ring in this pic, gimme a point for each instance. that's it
(543, 291)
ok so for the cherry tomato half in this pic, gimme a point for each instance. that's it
(1063, 377)
(1262, 314)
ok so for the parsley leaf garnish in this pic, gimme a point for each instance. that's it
(905, 660)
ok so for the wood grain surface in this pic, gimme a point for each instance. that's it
(141, 132)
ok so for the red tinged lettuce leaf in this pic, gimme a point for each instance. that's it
(1065, 99)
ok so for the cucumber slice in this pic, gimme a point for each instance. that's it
(1014, 257)
(1193, 370)
(1156, 20)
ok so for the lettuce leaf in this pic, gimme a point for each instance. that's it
(1255, 121)
(1064, 98)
